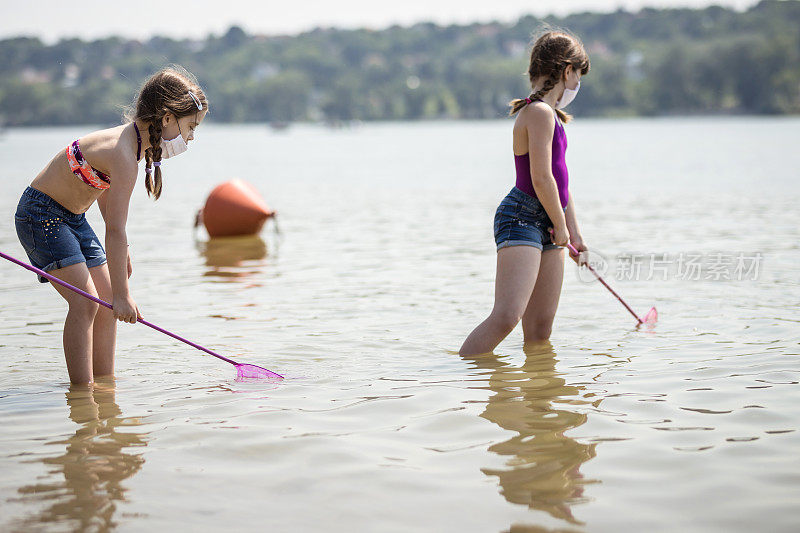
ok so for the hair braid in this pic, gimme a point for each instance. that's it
(153, 154)
(519, 103)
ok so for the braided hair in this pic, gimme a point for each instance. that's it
(552, 53)
(153, 154)
(170, 90)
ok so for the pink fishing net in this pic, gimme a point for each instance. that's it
(651, 317)
(255, 372)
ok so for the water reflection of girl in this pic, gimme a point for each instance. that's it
(543, 470)
(94, 464)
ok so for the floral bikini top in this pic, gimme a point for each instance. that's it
(86, 172)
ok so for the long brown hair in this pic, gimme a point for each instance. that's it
(551, 54)
(166, 91)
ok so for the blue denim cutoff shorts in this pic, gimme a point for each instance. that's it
(521, 220)
(54, 237)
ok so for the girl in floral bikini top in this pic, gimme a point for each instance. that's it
(86, 172)
(51, 222)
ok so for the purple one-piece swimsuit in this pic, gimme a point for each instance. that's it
(523, 164)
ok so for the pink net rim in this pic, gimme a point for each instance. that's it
(255, 372)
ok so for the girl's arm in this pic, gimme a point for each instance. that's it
(113, 205)
(102, 202)
(540, 126)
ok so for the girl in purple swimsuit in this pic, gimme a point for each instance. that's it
(102, 167)
(530, 259)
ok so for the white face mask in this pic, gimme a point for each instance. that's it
(173, 147)
(568, 96)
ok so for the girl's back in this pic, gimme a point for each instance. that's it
(536, 117)
(104, 150)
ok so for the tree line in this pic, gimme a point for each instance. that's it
(649, 62)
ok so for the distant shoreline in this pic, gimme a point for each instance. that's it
(713, 61)
(304, 124)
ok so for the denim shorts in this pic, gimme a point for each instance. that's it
(53, 236)
(521, 220)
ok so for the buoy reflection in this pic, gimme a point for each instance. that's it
(233, 257)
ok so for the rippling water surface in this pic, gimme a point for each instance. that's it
(384, 263)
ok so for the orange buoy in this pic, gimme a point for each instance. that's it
(234, 208)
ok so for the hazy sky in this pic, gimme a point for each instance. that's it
(91, 19)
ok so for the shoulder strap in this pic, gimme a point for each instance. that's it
(138, 141)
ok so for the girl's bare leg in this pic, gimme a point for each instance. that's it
(537, 322)
(104, 339)
(78, 326)
(517, 269)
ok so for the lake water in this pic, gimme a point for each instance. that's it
(384, 263)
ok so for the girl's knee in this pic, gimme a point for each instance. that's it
(506, 319)
(85, 309)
